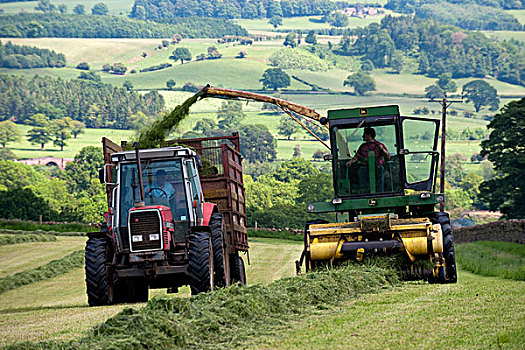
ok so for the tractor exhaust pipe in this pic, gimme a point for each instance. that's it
(141, 184)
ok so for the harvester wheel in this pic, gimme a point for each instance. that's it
(443, 219)
(99, 283)
(200, 267)
(218, 233)
(239, 272)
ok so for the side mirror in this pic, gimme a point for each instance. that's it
(404, 151)
(328, 157)
(101, 176)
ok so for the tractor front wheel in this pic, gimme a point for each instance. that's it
(200, 267)
(100, 286)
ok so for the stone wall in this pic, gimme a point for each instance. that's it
(502, 231)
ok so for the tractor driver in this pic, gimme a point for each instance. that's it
(160, 188)
(361, 157)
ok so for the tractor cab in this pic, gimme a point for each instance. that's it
(377, 152)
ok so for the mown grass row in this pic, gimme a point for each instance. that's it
(290, 236)
(40, 232)
(15, 239)
(500, 259)
(49, 270)
(230, 317)
(34, 226)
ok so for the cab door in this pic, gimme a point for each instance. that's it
(419, 152)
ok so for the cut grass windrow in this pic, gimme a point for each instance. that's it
(40, 232)
(500, 259)
(229, 317)
(33, 226)
(49, 270)
(15, 239)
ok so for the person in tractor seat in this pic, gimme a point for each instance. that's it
(361, 158)
(160, 188)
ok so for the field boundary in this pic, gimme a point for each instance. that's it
(500, 231)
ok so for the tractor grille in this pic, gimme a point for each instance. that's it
(145, 232)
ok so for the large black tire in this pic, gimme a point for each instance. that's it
(449, 255)
(200, 267)
(218, 234)
(97, 277)
(238, 274)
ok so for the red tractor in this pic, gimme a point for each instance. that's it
(168, 226)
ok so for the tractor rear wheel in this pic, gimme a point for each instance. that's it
(100, 287)
(200, 267)
(449, 255)
(239, 272)
(218, 235)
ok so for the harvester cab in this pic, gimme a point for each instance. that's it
(167, 224)
(384, 174)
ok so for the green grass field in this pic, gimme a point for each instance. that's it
(115, 7)
(56, 309)
(519, 14)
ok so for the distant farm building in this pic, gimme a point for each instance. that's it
(48, 161)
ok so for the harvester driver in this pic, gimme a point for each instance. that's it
(160, 188)
(361, 157)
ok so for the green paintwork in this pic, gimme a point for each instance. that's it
(382, 203)
(363, 112)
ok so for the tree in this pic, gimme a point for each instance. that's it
(288, 127)
(45, 6)
(61, 129)
(397, 62)
(100, 9)
(119, 68)
(182, 54)
(7, 154)
(454, 171)
(79, 10)
(38, 119)
(213, 53)
(291, 40)
(433, 91)
(8, 132)
(77, 128)
(257, 143)
(39, 136)
(275, 78)
(338, 20)
(204, 125)
(311, 38)
(297, 151)
(78, 174)
(504, 148)
(446, 83)
(315, 188)
(276, 21)
(361, 82)
(83, 66)
(294, 169)
(481, 94)
(230, 114)
(62, 8)
(170, 84)
(367, 65)
(128, 85)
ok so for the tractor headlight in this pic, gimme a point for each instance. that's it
(425, 195)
